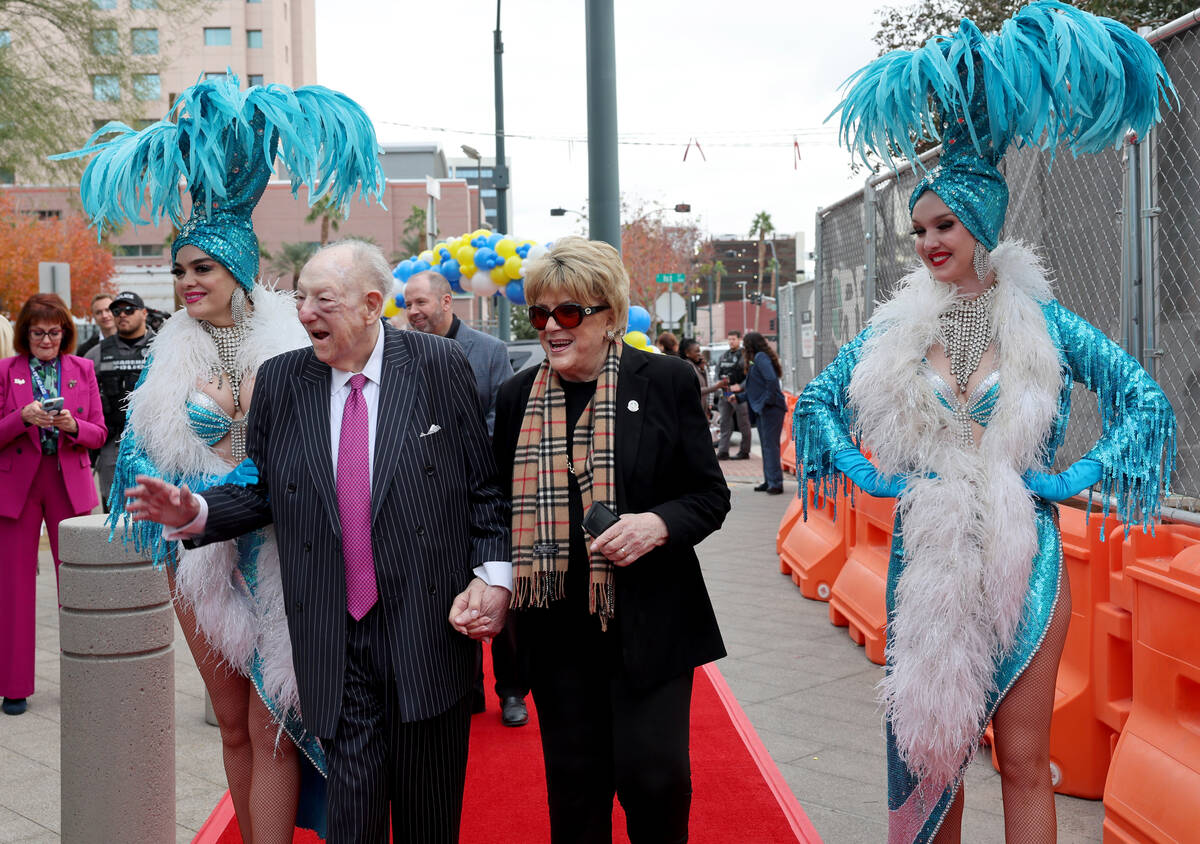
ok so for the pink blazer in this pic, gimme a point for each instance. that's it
(20, 450)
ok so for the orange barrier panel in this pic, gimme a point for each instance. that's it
(787, 443)
(1157, 550)
(858, 599)
(793, 514)
(1153, 790)
(814, 551)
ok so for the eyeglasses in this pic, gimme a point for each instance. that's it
(567, 315)
(36, 334)
(123, 310)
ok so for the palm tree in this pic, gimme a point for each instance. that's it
(329, 214)
(290, 260)
(718, 270)
(762, 226)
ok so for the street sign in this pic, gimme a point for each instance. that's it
(55, 278)
(670, 278)
(670, 307)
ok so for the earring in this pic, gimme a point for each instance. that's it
(237, 305)
(981, 260)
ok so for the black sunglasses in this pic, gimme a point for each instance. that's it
(122, 310)
(567, 315)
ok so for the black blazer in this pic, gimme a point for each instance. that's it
(666, 465)
(436, 507)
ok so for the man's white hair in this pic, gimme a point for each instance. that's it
(368, 267)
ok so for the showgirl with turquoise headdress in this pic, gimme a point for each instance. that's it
(187, 416)
(960, 387)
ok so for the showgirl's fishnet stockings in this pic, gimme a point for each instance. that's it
(263, 781)
(1022, 735)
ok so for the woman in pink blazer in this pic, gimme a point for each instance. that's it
(45, 471)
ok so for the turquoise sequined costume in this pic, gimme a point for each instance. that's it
(1136, 452)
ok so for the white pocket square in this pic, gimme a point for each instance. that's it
(433, 429)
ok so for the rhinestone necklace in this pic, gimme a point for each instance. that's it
(228, 340)
(967, 329)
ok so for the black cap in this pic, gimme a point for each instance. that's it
(127, 297)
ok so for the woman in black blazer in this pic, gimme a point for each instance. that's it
(609, 627)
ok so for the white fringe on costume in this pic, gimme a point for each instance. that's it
(969, 533)
(233, 623)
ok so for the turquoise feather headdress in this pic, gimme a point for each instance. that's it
(223, 141)
(1053, 76)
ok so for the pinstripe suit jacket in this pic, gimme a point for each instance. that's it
(436, 508)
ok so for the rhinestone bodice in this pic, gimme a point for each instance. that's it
(977, 408)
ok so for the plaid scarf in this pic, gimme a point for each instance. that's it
(541, 523)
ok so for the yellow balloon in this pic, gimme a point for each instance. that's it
(479, 233)
(637, 339)
(466, 255)
(390, 309)
(506, 248)
(467, 270)
(512, 267)
(499, 278)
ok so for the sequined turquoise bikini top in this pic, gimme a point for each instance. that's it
(979, 405)
(207, 418)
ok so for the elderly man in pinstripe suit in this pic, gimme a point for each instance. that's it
(375, 468)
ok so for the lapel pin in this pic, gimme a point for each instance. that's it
(71, 384)
(633, 406)
(18, 380)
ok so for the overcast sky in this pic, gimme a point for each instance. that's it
(741, 77)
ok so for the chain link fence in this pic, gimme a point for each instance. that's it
(1119, 232)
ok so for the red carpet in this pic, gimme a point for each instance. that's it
(738, 793)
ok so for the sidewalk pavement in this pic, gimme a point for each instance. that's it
(807, 689)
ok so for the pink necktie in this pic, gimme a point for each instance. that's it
(354, 502)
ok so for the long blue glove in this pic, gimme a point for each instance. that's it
(1078, 477)
(866, 477)
(243, 474)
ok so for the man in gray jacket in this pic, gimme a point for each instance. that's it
(428, 298)
(429, 301)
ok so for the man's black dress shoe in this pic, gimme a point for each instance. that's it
(722, 456)
(761, 487)
(775, 490)
(742, 457)
(14, 705)
(513, 712)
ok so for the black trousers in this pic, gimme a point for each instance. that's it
(510, 675)
(601, 737)
(375, 759)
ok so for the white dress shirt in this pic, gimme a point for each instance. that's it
(493, 572)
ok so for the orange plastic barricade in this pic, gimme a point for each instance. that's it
(793, 514)
(1153, 790)
(787, 443)
(814, 551)
(858, 599)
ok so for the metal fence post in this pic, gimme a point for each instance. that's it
(869, 201)
(1131, 261)
(1148, 212)
(118, 690)
(818, 295)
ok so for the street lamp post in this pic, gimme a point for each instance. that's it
(500, 174)
(742, 284)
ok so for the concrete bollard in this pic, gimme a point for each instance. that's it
(118, 690)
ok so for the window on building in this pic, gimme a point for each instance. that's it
(106, 88)
(144, 42)
(214, 74)
(218, 36)
(489, 212)
(143, 4)
(139, 250)
(255, 79)
(147, 86)
(105, 4)
(253, 38)
(486, 192)
(254, 1)
(104, 42)
(53, 214)
(5, 38)
(8, 176)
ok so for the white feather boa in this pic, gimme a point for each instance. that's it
(233, 622)
(969, 532)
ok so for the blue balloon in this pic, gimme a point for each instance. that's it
(403, 270)
(479, 241)
(515, 291)
(523, 251)
(399, 300)
(493, 239)
(485, 257)
(445, 253)
(455, 286)
(450, 269)
(421, 266)
(639, 319)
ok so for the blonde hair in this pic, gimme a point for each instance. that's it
(588, 271)
(6, 338)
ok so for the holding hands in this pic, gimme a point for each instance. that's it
(479, 610)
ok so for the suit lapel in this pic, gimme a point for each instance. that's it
(632, 388)
(397, 394)
(22, 388)
(311, 391)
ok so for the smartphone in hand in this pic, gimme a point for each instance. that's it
(599, 518)
(53, 406)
